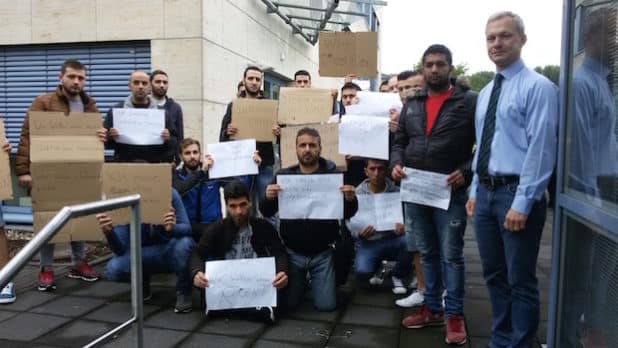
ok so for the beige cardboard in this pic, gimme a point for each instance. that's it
(329, 137)
(57, 123)
(254, 118)
(78, 229)
(152, 181)
(56, 185)
(65, 148)
(343, 53)
(304, 105)
(6, 188)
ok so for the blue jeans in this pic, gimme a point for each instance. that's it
(407, 223)
(370, 253)
(439, 238)
(78, 253)
(262, 180)
(321, 268)
(172, 257)
(509, 265)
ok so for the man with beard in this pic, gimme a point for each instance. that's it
(139, 84)
(159, 83)
(240, 236)
(436, 133)
(69, 96)
(200, 195)
(310, 242)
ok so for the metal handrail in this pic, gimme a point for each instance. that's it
(78, 210)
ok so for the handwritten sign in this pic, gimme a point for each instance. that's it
(76, 229)
(374, 104)
(381, 210)
(329, 138)
(57, 148)
(6, 187)
(364, 136)
(426, 188)
(315, 196)
(152, 181)
(232, 158)
(242, 283)
(254, 118)
(58, 123)
(304, 105)
(139, 126)
(60, 184)
(343, 53)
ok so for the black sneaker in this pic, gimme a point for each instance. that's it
(264, 314)
(184, 303)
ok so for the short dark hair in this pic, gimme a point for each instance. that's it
(302, 73)
(438, 49)
(240, 84)
(384, 83)
(73, 64)
(187, 142)
(157, 72)
(309, 131)
(236, 189)
(251, 67)
(406, 74)
(351, 85)
(379, 160)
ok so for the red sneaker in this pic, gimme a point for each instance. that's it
(423, 318)
(84, 272)
(46, 279)
(455, 331)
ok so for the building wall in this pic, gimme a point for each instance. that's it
(204, 45)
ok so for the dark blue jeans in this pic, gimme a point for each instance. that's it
(439, 238)
(172, 257)
(321, 269)
(509, 265)
(370, 253)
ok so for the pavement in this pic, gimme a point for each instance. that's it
(79, 312)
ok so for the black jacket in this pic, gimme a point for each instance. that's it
(450, 141)
(217, 239)
(305, 236)
(265, 148)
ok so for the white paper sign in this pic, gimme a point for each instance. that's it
(374, 104)
(232, 158)
(241, 283)
(364, 136)
(426, 188)
(139, 126)
(315, 196)
(380, 210)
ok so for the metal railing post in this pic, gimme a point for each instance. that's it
(137, 294)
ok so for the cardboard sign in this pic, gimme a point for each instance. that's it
(304, 105)
(152, 181)
(254, 118)
(6, 188)
(58, 123)
(343, 53)
(56, 185)
(78, 229)
(329, 137)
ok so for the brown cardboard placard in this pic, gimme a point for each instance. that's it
(152, 181)
(254, 118)
(58, 123)
(56, 185)
(64, 148)
(84, 228)
(6, 187)
(343, 53)
(329, 137)
(304, 105)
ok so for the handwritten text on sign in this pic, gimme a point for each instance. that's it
(254, 118)
(241, 283)
(232, 158)
(381, 210)
(139, 126)
(374, 104)
(315, 196)
(364, 136)
(426, 188)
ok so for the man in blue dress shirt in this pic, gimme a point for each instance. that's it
(516, 132)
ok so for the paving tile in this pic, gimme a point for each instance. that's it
(76, 334)
(372, 316)
(163, 280)
(478, 292)
(305, 332)
(161, 296)
(103, 288)
(375, 298)
(198, 340)
(478, 342)
(362, 336)
(478, 325)
(6, 315)
(30, 299)
(167, 319)
(276, 344)
(158, 338)
(69, 306)
(477, 307)
(306, 311)
(118, 312)
(232, 327)
(427, 337)
(28, 326)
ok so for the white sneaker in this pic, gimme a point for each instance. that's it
(377, 279)
(414, 300)
(413, 283)
(398, 288)
(7, 295)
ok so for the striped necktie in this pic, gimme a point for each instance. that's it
(482, 165)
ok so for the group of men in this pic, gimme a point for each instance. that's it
(512, 123)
